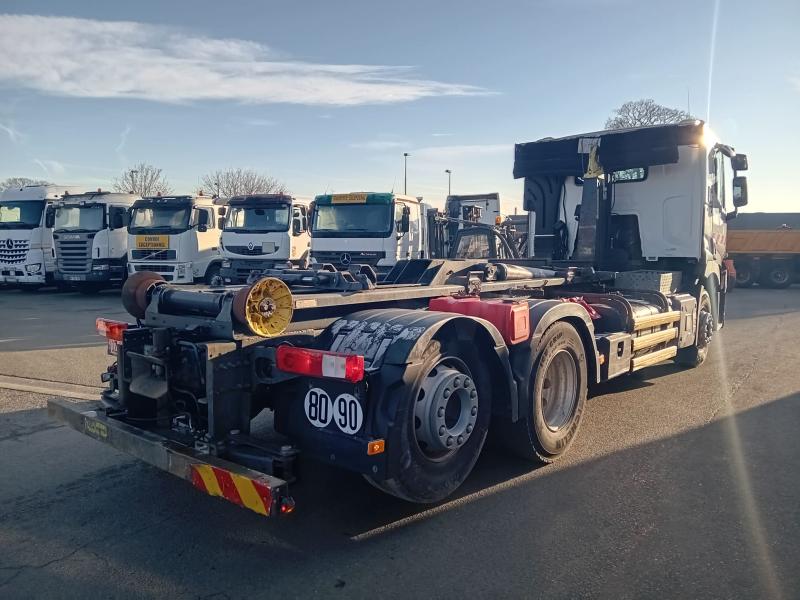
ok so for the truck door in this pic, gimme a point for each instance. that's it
(405, 241)
(719, 194)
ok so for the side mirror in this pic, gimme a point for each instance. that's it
(739, 191)
(405, 220)
(50, 217)
(221, 211)
(202, 221)
(221, 223)
(739, 162)
(297, 227)
(116, 217)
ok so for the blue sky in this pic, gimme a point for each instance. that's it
(327, 96)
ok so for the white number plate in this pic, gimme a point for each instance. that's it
(344, 410)
(113, 347)
(74, 277)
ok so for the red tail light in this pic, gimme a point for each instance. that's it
(319, 363)
(111, 330)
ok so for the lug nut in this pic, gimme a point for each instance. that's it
(467, 382)
(474, 411)
(460, 440)
(442, 430)
(469, 428)
(446, 393)
(473, 394)
(449, 441)
(456, 382)
(441, 411)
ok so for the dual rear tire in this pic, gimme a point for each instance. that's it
(442, 420)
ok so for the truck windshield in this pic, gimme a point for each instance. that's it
(83, 218)
(168, 219)
(353, 220)
(258, 218)
(20, 214)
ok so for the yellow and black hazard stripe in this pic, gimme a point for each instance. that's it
(240, 490)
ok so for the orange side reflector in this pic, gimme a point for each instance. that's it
(376, 447)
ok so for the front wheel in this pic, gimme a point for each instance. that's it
(212, 275)
(745, 275)
(441, 424)
(695, 355)
(558, 390)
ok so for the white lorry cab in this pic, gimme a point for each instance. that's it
(26, 243)
(90, 239)
(368, 228)
(263, 231)
(176, 237)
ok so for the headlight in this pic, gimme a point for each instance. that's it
(33, 268)
(226, 264)
(100, 267)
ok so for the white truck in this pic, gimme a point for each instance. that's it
(262, 231)
(90, 239)
(175, 236)
(368, 228)
(26, 242)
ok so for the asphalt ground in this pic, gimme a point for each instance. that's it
(681, 484)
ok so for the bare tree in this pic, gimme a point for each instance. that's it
(142, 180)
(18, 182)
(646, 111)
(239, 182)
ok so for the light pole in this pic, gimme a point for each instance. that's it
(405, 172)
(449, 174)
(133, 180)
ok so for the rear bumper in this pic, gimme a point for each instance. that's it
(259, 492)
(173, 272)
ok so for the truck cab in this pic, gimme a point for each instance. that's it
(90, 238)
(26, 242)
(376, 229)
(175, 236)
(262, 231)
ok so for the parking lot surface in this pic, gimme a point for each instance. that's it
(682, 483)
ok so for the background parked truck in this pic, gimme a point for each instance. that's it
(262, 231)
(27, 258)
(402, 380)
(177, 237)
(90, 239)
(765, 248)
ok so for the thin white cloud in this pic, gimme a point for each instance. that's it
(89, 58)
(14, 134)
(260, 122)
(379, 145)
(796, 82)
(123, 141)
(462, 152)
(441, 134)
(50, 167)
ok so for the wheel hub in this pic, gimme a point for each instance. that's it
(559, 391)
(706, 324)
(446, 410)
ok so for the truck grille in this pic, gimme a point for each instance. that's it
(244, 250)
(13, 252)
(153, 254)
(344, 259)
(166, 271)
(74, 252)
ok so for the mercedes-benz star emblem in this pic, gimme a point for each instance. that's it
(345, 258)
(250, 245)
(10, 244)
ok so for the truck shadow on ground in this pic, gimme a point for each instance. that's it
(691, 499)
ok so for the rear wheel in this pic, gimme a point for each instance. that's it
(558, 390)
(778, 276)
(441, 425)
(745, 275)
(212, 275)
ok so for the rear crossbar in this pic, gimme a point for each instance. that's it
(264, 494)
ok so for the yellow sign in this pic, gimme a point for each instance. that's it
(96, 429)
(354, 198)
(152, 242)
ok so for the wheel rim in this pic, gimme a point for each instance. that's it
(446, 409)
(780, 276)
(705, 326)
(559, 390)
